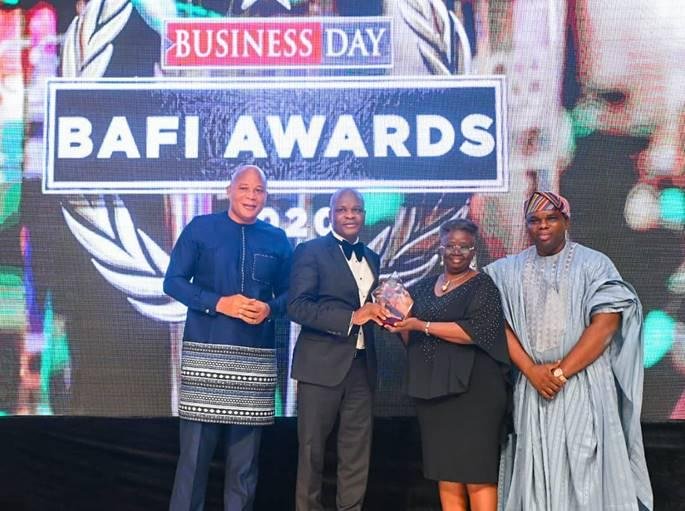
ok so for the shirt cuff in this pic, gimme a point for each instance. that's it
(209, 301)
(349, 329)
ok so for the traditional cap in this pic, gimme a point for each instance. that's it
(546, 201)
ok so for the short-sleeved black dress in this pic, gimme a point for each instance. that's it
(462, 391)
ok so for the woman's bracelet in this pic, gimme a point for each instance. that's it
(426, 326)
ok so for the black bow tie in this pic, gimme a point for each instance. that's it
(349, 248)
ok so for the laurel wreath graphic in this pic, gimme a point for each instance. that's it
(435, 27)
(126, 257)
(87, 47)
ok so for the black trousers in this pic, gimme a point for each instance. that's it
(318, 407)
(198, 442)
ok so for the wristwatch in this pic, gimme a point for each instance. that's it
(559, 373)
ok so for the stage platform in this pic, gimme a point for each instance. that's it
(75, 463)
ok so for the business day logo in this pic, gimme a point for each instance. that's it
(258, 43)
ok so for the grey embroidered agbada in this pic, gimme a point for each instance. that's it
(583, 449)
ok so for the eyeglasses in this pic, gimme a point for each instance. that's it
(453, 249)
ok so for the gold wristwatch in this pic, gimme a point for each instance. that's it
(559, 373)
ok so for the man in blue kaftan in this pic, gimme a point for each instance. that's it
(576, 338)
(231, 270)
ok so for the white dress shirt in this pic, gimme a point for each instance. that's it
(363, 276)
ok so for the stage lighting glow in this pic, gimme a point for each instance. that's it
(195, 11)
(11, 144)
(12, 300)
(672, 204)
(381, 206)
(585, 118)
(641, 209)
(10, 197)
(676, 282)
(659, 333)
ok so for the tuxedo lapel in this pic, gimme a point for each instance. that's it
(341, 269)
(371, 261)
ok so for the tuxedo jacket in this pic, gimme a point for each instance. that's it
(323, 295)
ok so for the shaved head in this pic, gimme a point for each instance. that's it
(237, 173)
(345, 191)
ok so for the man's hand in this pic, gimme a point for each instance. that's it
(370, 312)
(540, 376)
(249, 310)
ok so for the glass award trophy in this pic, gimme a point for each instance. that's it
(392, 294)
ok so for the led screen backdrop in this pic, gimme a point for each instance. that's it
(580, 96)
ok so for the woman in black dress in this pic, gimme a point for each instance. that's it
(458, 373)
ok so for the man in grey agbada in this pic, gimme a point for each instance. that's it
(575, 336)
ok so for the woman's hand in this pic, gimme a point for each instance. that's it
(406, 325)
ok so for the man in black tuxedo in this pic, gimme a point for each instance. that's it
(334, 361)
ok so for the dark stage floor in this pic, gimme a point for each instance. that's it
(128, 464)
